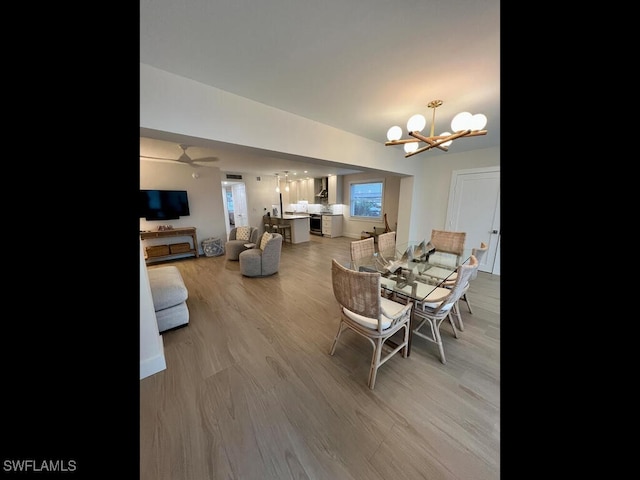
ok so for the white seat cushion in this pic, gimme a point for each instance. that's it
(167, 287)
(389, 307)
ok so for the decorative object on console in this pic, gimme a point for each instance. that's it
(463, 124)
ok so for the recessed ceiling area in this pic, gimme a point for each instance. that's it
(236, 158)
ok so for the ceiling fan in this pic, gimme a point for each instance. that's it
(185, 158)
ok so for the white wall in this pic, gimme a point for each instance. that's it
(205, 201)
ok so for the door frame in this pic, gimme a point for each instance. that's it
(239, 205)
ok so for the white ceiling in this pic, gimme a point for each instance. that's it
(357, 65)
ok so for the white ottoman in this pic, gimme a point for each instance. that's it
(169, 297)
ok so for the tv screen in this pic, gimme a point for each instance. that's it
(163, 204)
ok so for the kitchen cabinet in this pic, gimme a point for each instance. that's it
(305, 190)
(334, 187)
(301, 190)
(294, 192)
(311, 192)
(332, 225)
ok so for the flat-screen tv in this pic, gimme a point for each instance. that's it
(163, 204)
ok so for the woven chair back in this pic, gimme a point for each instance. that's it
(356, 291)
(448, 242)
(362, 249)
(387, 244)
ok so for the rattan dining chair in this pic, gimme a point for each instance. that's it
(433, 311)
(361, 249)
(479, 253)
(451, 243)
(366, 312)
(387, 244)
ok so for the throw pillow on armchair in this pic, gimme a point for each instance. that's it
(265, 238)
(242, 233)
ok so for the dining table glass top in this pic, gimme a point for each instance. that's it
(414, 269)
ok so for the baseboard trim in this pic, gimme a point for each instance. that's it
(152, 365)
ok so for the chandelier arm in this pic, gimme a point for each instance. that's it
(433, 144)
(428, 140)
(461, 133)
(424, 149)
(400, 142)
(475, 133)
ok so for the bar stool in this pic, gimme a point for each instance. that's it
(268, 223)
(283, 228)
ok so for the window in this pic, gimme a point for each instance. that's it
(229, 200)
(366, 200)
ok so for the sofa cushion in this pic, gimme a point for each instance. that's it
(167, 287)
(173, 317)
(266, 236)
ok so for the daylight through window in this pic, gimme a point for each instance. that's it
(366, 200)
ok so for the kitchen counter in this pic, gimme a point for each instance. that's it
(331, 225)
(299, 227)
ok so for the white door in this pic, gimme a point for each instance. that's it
(474, 207)
(240, 205)
(239, 200)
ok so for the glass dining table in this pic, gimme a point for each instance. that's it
(413, 271)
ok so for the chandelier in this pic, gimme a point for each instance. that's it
(463, 124)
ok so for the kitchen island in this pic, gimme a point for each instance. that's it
(299, 227)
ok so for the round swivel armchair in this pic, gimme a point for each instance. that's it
(264, 259)
(238, 238)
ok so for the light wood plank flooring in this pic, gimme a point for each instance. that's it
(251, 393)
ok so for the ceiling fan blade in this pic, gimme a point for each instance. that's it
(206, 159)
(158, 158)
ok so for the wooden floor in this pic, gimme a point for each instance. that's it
(251, 393)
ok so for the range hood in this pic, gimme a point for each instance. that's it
(323, 190)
